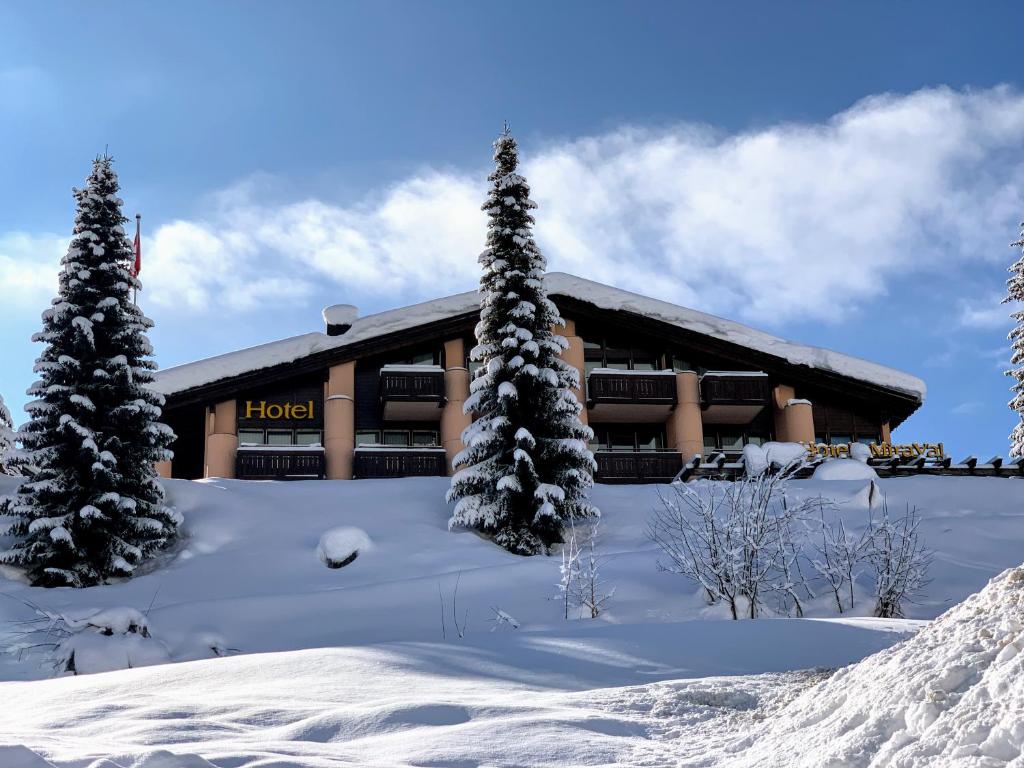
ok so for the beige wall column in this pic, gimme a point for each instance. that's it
(886, 434)
(684, 428)
(782, 394)
(340, 421)
(574, 357)
(456, 392)
(163, 468)
(222, 441)
(798, 418)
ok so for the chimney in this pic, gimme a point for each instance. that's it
(339, 318)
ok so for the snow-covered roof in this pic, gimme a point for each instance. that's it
(181, 378)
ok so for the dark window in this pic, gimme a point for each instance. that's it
(279, 437)
(250, 437)
(396, 437)
(425, 438)
(307, 437)
(367, 437)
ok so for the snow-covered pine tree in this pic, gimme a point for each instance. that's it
(1015, 294)
(94, 508)
(526, 468)
(7, 448)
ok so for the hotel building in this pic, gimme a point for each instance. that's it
(382, 395)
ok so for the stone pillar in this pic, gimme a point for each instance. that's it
(222, 441)
(684, 428)
(163, 468)
(456, 392)
(340, 421)
(574, 357)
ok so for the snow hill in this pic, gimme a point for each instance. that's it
(341, 666)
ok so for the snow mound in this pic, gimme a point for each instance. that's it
(340, 546)
(844, 469)
(953, 695)
(758, 458)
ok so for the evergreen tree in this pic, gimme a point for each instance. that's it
(7, 449)
(526, 468)
(93, 508)
(1015, 293)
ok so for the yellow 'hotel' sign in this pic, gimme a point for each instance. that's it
(882, 450)
(273, 411)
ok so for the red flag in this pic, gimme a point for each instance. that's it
(137, 266)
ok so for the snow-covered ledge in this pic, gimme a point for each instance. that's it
(754, 374)
(378, 447)
(399, 368)
(279, 448)
(625, 372)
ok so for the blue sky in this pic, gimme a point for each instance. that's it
(843, 174)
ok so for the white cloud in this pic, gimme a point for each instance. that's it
(28, 269)
(783, 222)
(967, 408)
(986, 313)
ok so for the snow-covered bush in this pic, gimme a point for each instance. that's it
(93, 508)
(899, 559)
(838, 554)
(740, 541)
(340, 546)
(526, 469)
(582, 587)
(89, 641)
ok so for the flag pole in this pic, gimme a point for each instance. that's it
(136, 256)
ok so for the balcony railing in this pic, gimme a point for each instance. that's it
(412, 392)
(735, 388)
(280, 463)
(608, 385)
(382, 461)
(637, 466)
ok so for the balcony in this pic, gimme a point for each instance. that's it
(385, 461)
(734, 397)
(412, 392)
(280, 462)
(630, 396)
(637, 466)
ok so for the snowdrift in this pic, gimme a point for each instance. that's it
(953, 695)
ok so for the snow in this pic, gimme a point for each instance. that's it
(340, 546)
(281, 661)
(844, 469)
(190, 375)
(340, 314)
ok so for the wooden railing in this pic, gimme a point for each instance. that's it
(637, 466)
(735, 389)
(399, 462)
(268, 464)
(406, 384)
(631, 387)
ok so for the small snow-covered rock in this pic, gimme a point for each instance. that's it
(340, 546)
(844, 469)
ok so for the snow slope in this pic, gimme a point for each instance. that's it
(353, 667)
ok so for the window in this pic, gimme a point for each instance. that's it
(367, 437)
(420, 358)
(628, 439)
(396, 437)
(250, 437)
(617, 355)
(279, 437)
(425, 439)
(307, 437)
